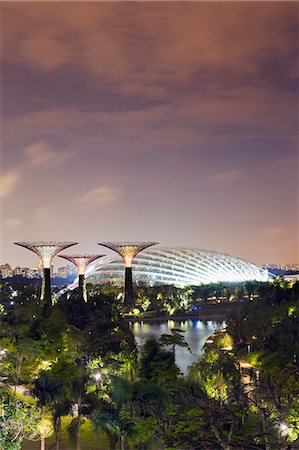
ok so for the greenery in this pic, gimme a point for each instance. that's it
(73, 379)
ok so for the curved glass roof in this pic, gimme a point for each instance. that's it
(181, 266)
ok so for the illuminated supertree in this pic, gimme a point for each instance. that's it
(46, 252)
(128, 251)
(81, 262)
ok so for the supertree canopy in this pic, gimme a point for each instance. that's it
(46, 250)
(81, 262)
(128, 250)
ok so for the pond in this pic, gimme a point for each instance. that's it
(195, 333)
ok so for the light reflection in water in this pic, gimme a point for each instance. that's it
(195, 332)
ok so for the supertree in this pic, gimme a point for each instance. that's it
(46, 252)
(81, 262)
(128, 251)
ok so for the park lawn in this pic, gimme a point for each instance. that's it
(89, 441)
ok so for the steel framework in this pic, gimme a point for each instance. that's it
(81, 262)
(46, 250)
(128, 250)
(183, 266)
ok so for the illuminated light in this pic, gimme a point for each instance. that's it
(196, 308)
(44, 365)
(97, 376)
(128, 260)
(3, 352)
(245, 365)
(227, 349)
(283, 427)
(182, 266)
(46, 250)
(81, 262)
(127, 250)
(257, 374)
(210, 341)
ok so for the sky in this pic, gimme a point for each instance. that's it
(175, 122)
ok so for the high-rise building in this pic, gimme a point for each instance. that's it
(6, 271)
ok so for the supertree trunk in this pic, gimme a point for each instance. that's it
(82, 287)
(46, 296)
(81, 262)
(129, 294)
(46, 250)
(128, 250)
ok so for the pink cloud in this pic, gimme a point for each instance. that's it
(226, 176)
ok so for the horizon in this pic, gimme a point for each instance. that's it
(57, 263)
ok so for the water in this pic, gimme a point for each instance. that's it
(195, 333)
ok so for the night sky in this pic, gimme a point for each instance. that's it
(167, 121)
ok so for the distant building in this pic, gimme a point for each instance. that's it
(20, 271)
(33, 273)
(61, 272)
(286, 267)
(6, 271)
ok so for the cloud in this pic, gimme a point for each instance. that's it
(137, 48)
(102, 195)
(36, 154)
(8, 182)
(273, 231)
(43, 213)
(41, 153)
(13, 222)
(47, 53)
(226, 176)
(245, 113)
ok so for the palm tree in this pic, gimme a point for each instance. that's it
(115, 416)
(46, 389)
(60, 407)
(83, 403)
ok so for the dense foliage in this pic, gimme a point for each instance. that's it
(81, 362)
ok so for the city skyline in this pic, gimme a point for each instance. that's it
(171, 122)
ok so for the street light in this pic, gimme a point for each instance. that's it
(97, 376)
(283, 427)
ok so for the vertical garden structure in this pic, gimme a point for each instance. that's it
(81, 262)
(46, 252)
(128, 251)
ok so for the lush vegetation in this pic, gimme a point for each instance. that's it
(73, 379)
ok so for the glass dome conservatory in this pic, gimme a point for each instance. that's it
(180, 266)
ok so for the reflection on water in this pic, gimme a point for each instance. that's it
(195, 333)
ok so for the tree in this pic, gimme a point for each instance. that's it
(174, 339)
(83, 402)
(46, 389)
(158, 365)
(115, 415)
(18, 421)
